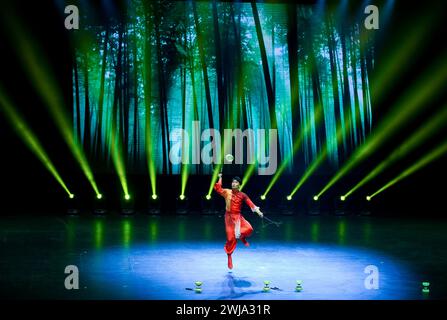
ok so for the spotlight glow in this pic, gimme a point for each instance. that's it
(154, 197)
(263, 197)
(71, 196)
(46, 84)
(422, 162)
(296, 145)
(342, 198)
(127, 197)
(315, 198)
(435, 124)
(208, 197)
(368, 198)
(421, 91)
(182, 197)
(28, 137)
(99, 196)
(289, 197)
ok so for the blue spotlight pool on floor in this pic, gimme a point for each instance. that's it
(165, 270)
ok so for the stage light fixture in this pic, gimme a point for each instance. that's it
(208, 206)
(182, 205)
(99, 206)
(340, 207)
(368, 198)
(154, 205)
(72, 205)
(127, 205)
(286, 206)
(315, 198)
(263, 197)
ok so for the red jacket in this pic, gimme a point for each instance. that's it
(233, 199)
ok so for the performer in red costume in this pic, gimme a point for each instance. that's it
(236, 226)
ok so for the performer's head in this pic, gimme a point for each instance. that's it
(236, 183)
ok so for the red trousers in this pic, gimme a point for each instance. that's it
(232, 222)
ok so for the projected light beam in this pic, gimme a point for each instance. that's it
(430, 157)
(406, 109)
(341, 132)
(383, 76)
(296, 145)
(30, 139)
(37, 66)
(315, 164)
(434, 124)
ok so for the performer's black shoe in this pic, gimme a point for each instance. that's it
(230, 262)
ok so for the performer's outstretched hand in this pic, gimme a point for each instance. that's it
(260, 214)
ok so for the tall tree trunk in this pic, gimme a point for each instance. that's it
(126, 97)
(220, 89)
(334, 77)
(316, 94)
(365, 87)
(239, 67)
(115, 136)
(346, 91)
(161, 85)
(78, 108)
(147, 87)
(292, 43)
(273, 62)
(98, 140)
(265, 67)
(136, 100)
(183, 71)
(204, 66)
(357, 115)
(87, 116)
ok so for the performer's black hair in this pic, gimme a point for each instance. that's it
(237, 179)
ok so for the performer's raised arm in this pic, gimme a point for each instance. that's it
(218, 186)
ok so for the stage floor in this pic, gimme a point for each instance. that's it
(158, 257)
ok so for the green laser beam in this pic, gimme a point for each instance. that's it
(29, 138)
(436, 123)
(296, 145)
(392, 64)
(406, 109)
(422, 162)
(117, 158)
(341, 132)
(37, 67)
(315, 164)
